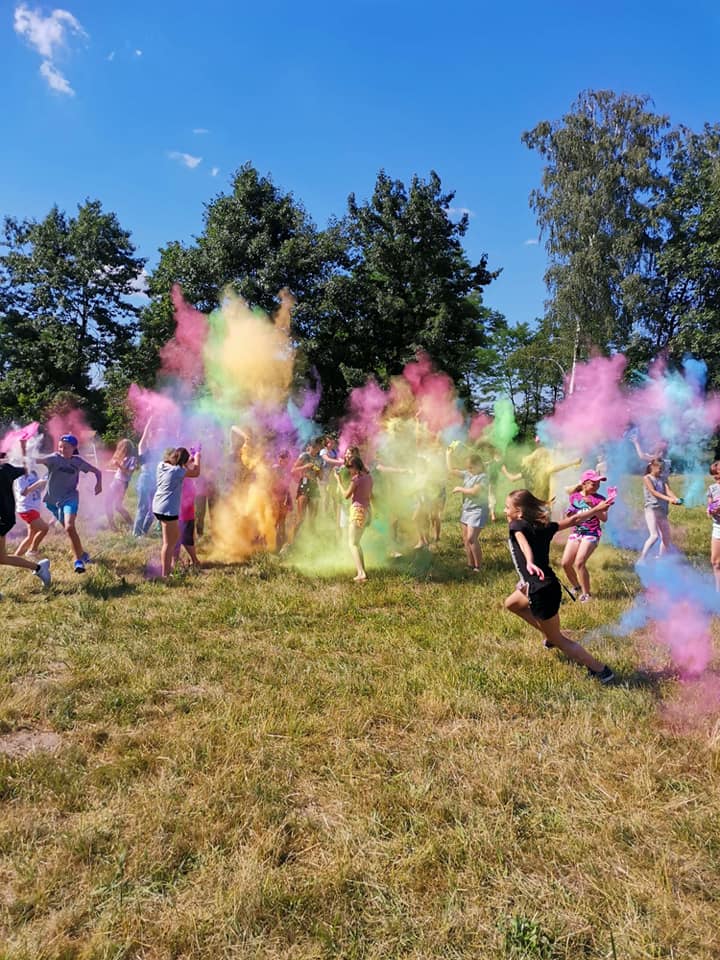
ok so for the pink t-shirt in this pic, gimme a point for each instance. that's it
(361, 485)
(187, 501)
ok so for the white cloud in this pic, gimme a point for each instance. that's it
(185, 158)
(56, 81)
(200, 130)
(140, 285)
(46, 34)
(138, 53)
(460, 212)
(532, 242)
(215, 171)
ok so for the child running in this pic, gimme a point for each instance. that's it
(124, 464)
(537, 597)
(713, 509)
(359, 492)
(62, 498)
(584, 539)
(658, 497)
(8, 474)
(177, 464)
(28, 505)
(474, 514)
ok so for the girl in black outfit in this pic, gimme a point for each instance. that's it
(537, 597)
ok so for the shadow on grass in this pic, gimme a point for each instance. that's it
(651, 680)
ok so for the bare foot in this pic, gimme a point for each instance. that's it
(359, 579)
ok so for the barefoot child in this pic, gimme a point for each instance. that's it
(8, 474)
(584, 539)
(64, 469)
(537, 597)
(29, 504)
(359, 492)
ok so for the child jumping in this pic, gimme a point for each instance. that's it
(359, 492)
(537, 597)
(584, 539)
(62, 499)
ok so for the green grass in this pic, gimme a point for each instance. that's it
(257, 763)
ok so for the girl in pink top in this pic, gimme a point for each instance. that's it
(359, 492)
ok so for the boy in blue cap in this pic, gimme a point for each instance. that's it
(61, 496)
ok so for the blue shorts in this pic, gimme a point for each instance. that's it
(62, 510)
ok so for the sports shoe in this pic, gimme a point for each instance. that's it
(85, 557)
(576, 592)
(584, 597)
(603, 676)
(43, 572)
(79, 566)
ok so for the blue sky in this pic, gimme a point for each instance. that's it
(105, 100)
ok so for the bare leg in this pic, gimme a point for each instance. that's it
(8, 560)
(170, 535)
(40, 529)
(354, 536)
(519, 604)
(585, 550)
(71, 531)
(715, 561)
(568, 562)
(473, 547)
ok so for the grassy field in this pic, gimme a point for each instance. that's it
(256, 763)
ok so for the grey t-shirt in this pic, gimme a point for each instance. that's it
(168, 492)
(63, 475)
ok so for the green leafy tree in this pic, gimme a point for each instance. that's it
(256, 240)
(409, 287)
(598, 209)
(66, 313)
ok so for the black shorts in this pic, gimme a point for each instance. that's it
(6, 525)
(164, 517)
(187, 533)
(545, 602)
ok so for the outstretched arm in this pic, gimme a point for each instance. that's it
(193, 465)
(576, 518)
(564, 466)
(143, 441)
(522, 542)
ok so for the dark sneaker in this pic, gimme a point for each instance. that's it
(85, 558)
(43, 572)
(603, 676)
(79, 566)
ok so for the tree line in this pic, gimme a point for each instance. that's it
(628, 208)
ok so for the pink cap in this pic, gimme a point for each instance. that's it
(591, 475)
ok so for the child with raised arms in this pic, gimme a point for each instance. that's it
(61, 496)
(537, 597)
(177, 464)
(359, 492)
(583, 540)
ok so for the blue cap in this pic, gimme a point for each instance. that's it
(69, 438)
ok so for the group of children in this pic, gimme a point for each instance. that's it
(318, 477)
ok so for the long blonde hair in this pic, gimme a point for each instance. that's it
(123, 450)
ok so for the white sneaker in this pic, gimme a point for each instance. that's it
(43, 571)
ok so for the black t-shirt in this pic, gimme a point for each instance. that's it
(538, 535)
(8, 475)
